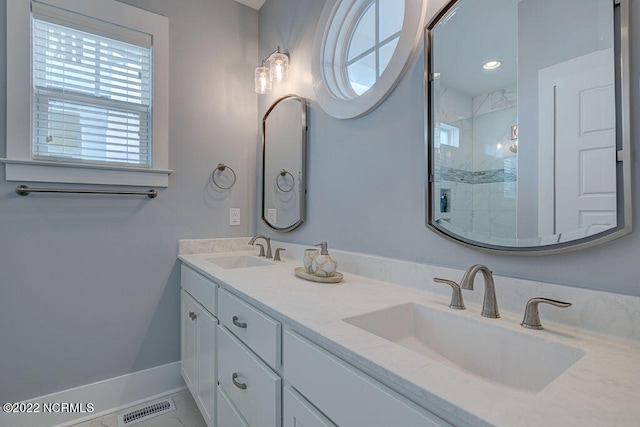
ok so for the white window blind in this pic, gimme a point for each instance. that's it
(91, 92)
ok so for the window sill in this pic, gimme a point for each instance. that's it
(72, 173)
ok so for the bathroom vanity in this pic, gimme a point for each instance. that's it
(250, 372)
(271, 349)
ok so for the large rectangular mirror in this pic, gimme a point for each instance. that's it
(528, 124)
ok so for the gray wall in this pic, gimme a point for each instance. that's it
(366, 175)
(89, 285)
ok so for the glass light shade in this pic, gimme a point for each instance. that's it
(263, 80)
(279, 66)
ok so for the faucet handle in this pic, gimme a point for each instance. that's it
(276, 257)
(261, 246)
(531, 318)
(456, 294)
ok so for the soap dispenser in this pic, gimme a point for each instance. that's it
(324, 265)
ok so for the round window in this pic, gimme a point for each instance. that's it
(373, 42)
(361, 49)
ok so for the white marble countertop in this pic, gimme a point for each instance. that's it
(602, 388)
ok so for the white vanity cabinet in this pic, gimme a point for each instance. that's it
(198, 340)
(247, 369)
(249, 344)
(343, 393)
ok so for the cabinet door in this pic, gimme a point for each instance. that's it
(198, 357)
(189, 342)
(297, 412)
(206, 396)
(228, 415)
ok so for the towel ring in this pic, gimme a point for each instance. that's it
(222, 167)
(282, 173)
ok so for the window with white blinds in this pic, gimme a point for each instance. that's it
(92, 99)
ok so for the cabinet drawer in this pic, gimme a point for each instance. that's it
(257, 330)
(297, 412)
(201, 288)
(344, 394)
(252, 387)
(228, 415)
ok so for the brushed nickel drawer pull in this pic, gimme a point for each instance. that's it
(241, 386)
(239, 324)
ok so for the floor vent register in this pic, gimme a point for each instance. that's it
(149, 411)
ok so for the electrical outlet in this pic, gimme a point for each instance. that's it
(234, 216)
(271, 216)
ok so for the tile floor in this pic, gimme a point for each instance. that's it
(186, 414)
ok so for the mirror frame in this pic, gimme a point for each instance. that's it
(303, 156)
(623, 148)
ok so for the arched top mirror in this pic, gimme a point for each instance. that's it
(284, 129)
(528, 124)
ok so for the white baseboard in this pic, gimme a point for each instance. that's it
(104, 396)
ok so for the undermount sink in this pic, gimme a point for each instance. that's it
(509, 357)
(238, 261)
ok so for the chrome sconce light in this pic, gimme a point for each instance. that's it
(273, 69)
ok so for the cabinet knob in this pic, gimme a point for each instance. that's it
(239, 324)
(241, 386)
(192, 315)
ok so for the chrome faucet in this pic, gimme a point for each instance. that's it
(531, 318)
(266, 239)
(490, 304)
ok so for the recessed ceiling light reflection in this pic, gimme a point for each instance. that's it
(491, 65)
